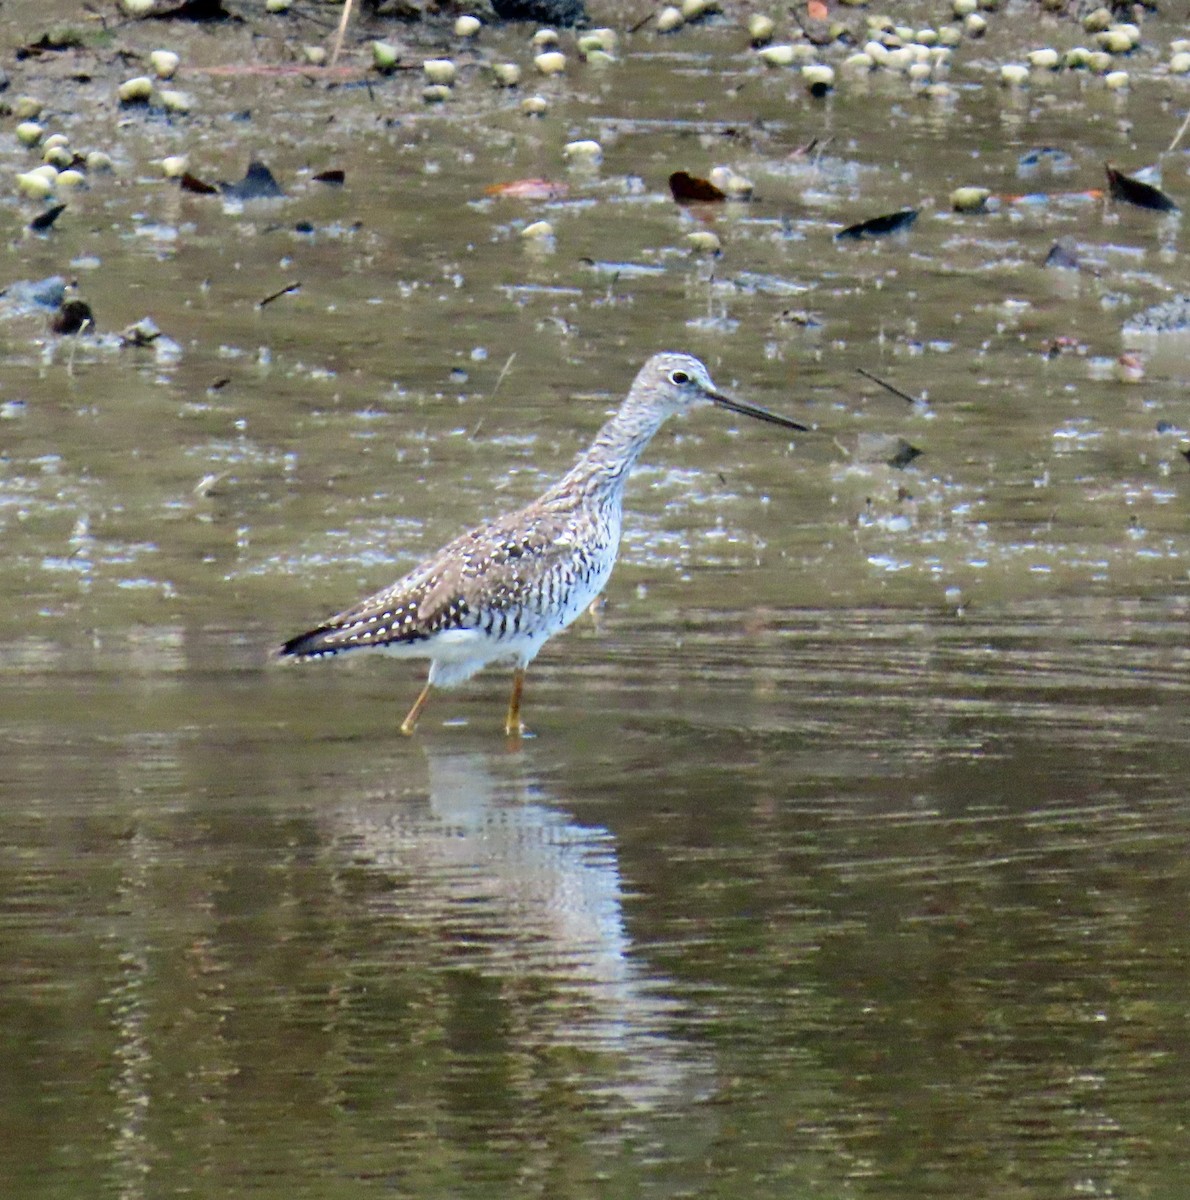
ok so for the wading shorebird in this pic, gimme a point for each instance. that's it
(500, 592)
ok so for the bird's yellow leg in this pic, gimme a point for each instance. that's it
(410, 722)
(512, 723)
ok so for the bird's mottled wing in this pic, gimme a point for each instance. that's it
(492, 567)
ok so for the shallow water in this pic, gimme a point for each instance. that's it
(850, 854)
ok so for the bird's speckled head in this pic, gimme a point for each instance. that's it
(675, 382)
(671, 382)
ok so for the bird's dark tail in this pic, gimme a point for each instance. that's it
(316, 643)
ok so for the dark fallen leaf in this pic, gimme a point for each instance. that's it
(258, 184)
(334, 177)
(191, 183)
(1136, 191)
(43, 221)
(879, 226)
(903, 455)
(72, 317)
(689, 189)
(1062, 255)
(196, 10)
(219, 384)
(303, 227)
(1186, 455)
(566, 13)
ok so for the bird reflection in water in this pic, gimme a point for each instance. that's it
(513, 888)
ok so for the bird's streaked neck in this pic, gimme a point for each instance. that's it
(607, 462)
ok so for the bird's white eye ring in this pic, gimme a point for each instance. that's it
(679, 377)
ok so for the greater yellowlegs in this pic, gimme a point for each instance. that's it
(500, 592)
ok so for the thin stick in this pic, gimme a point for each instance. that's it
(1178, 135)
(896, 391)
(292, 287)
(341, 31)
(641, 23)
(503, 371)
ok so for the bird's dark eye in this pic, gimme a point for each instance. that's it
(679, 377)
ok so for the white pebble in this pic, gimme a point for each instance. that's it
(384, 55)
(137, 90)
(439, 70)
(731, 183)
(760, 28)
(704, 241)
(584, 151)
(467, 26)
(177, 102)
(1046, 59)
(669, 19)
(164, 63)
(552, 62)
(35, 185)
(780, 55)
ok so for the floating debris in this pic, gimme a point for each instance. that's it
(690, 189)
(75, 316)
(258, 184)
(43, 221)
(1136, 191)
(878, 227)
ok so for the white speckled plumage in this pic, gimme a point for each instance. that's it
(502, 590)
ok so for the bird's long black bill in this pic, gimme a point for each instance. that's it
(754, 410)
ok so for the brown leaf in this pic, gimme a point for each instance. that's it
(690, 189)
(191, 183)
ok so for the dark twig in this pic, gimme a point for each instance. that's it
(292, 287)
(896, 391)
